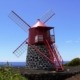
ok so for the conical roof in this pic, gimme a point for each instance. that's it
(39, 24)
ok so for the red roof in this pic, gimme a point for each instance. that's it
(39, 23)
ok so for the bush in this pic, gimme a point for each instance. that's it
(74, 62)
(7, 73)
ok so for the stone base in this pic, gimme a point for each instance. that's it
(35, 60)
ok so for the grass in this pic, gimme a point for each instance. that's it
(8, 73)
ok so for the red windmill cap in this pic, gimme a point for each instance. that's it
(39, 24)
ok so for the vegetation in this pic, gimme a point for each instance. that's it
(8, 73)
(73, 62)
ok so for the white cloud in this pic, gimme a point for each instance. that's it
(69, 41)
(73, 41)
(77, 41)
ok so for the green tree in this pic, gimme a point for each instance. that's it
(74, 62)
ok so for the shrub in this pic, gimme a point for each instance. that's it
(7, 73)
(74, 62)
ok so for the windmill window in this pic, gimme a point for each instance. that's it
(38, 38)
(52, 38)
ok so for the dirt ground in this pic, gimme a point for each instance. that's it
(74, 69)
(68, 69)
(76, 77)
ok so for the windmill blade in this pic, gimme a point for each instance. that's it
(47, 16)
(19, 21)
(21, 49)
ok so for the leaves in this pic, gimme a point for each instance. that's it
(74, 62)
(7, 73)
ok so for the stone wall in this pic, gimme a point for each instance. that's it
(35, 60)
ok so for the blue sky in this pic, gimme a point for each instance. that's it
(66, 23)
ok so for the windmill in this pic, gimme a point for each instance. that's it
(42, 52)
